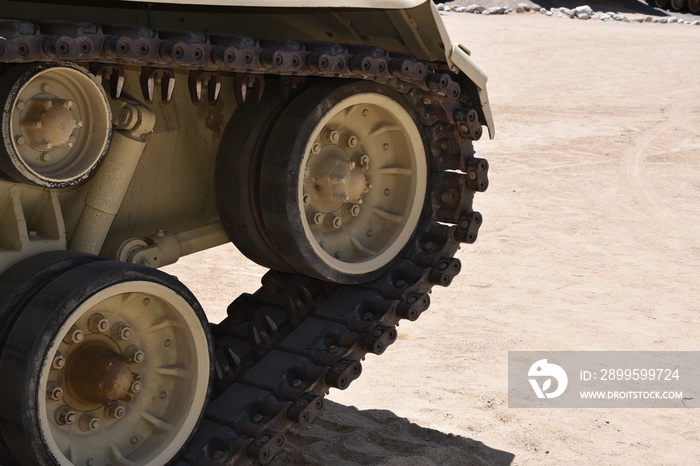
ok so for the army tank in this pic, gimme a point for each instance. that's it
(332, 144)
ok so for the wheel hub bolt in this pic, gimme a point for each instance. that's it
(257, 418)
(65, 416)
(59, 362)
(134, 354)
(74, 335)
(348, 140)
(330, 136)
(97, 323)
(136, 387)
(121, 331)
(315, 218)
(54, 391)
(351, 210)
(332, 222)
(89, 423)
(115, 411)
(316, 149)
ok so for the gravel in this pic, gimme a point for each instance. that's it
(623, 12)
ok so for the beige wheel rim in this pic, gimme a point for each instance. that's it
(363, 183)
(125, 379)
(60, 124)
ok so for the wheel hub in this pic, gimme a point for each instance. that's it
(49, 123)
(96, 374)
(333, 180)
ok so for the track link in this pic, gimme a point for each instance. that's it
(282, 348)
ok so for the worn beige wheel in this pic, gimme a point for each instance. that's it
(355, 167)
(56, 124)
(121, 357)
(678, 5)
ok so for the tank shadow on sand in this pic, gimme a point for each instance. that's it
(344, 436)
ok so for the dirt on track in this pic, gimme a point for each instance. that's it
(590, 242)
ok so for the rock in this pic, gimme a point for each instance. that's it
(696, 23)
(637, 20)
(447, 8)
(519, 9)
(584, 9)
(475, 8)
(496, 10)
(565, 11)
(663, 20)
(584, 16)
(460, 9)
(543, 11)
(524, 6)
(673, 19)
(648, 19)
(549, 13)
(617, 17)
(604, 17)
(440, 6)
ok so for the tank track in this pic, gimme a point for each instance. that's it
(282, 348)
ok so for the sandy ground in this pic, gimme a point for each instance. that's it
(590, 242)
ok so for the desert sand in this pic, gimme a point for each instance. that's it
(589, 242)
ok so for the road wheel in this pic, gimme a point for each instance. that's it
(108, 364)
(344, 180)
(238, 165)
(56, 124)
(678, 5)
(19, 284)
(694, 6)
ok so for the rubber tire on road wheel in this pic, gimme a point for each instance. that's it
(374, 165)
(19, 284)
(238, 178)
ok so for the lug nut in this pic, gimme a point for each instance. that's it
(351, 210)
(315, 218)
(59, 362)
(65, 416)
(89, 423)
(330, 136)
(332, 222)
(54, 391)
(74, 335)
(134, 354)
(97, 323)
(348, 140)
(316, 148)
(121, 331)
(115, 411)
(136, 386)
